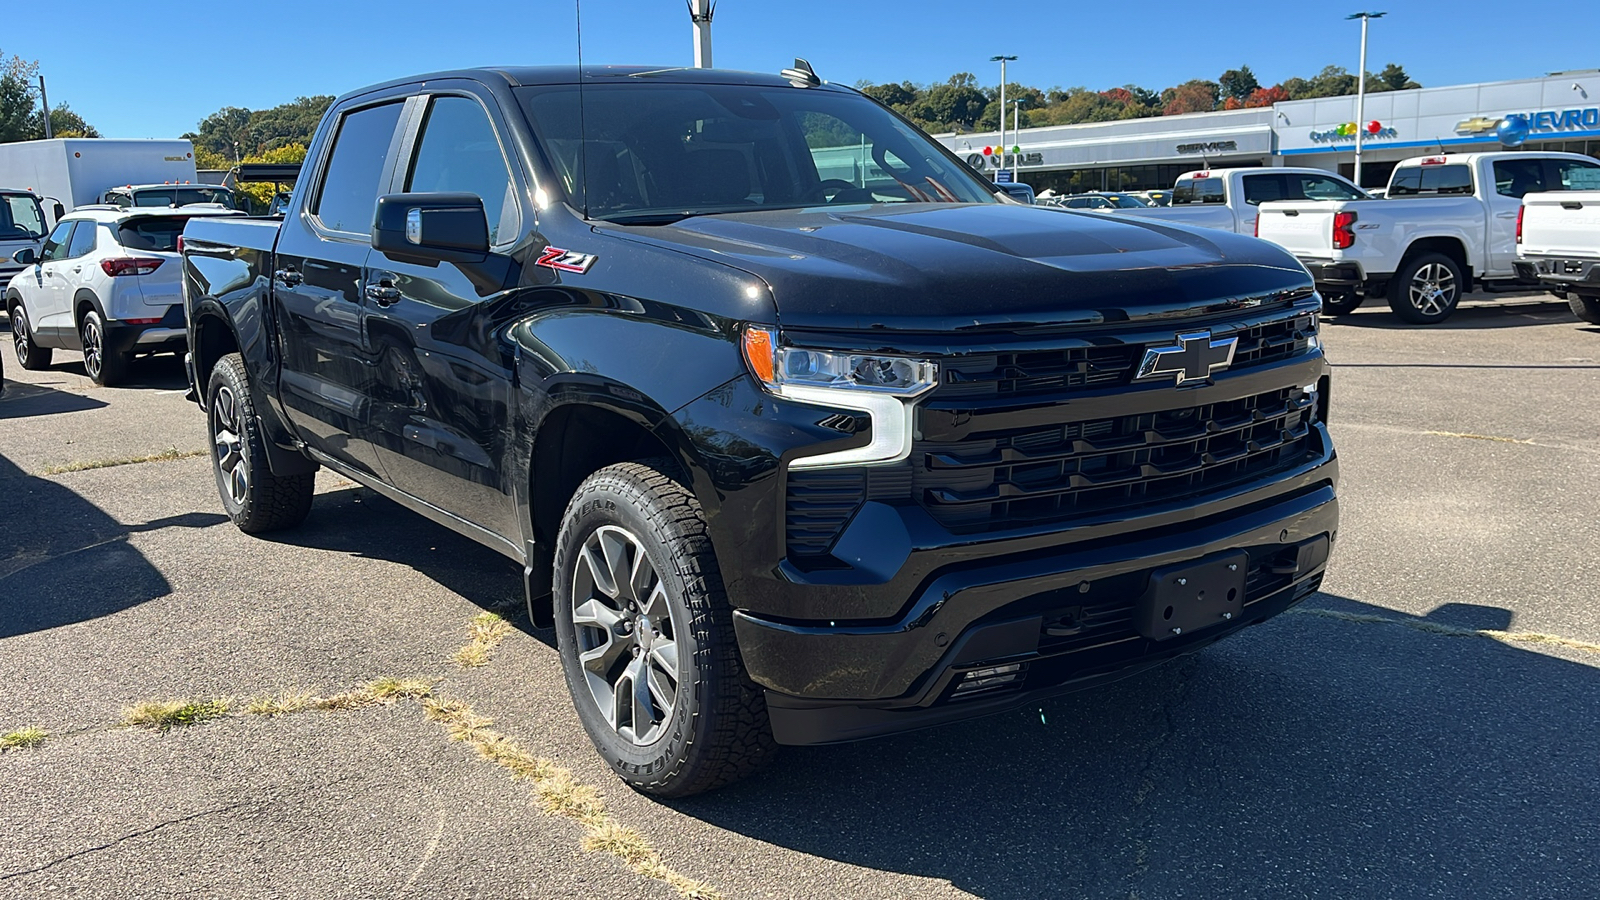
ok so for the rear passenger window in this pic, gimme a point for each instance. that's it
(1260, 189)
(82, 241)
(1515, 177)
(349, 194)
(458, 152)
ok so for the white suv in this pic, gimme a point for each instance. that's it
(107, 282)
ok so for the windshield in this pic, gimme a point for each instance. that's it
(666, 150)
(183, 196)
(1128, 201)
(21, 218)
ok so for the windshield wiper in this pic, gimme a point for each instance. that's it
(657, 218)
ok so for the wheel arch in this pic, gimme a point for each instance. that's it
(1453, 247)
(212, 337)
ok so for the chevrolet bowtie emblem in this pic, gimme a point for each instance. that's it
(1192, 359)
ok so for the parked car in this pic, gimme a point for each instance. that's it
(106, 282)
(1102, 200)
(779, 467)
(1448, 224)
(1227, 199)
(22, 227)
(1558, 243)
(1155, 198)
(78, 171)
(165, 196)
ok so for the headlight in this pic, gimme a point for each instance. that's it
(884, 387)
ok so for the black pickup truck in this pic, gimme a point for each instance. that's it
(800, 432)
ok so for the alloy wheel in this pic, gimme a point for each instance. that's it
(1433, 289)
(228, 439)
(93, 347)
(626, 635)
(19, 335)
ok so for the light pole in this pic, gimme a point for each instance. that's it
(1016, 133)
(700, 13)
(1361, 88)
(1002, 60)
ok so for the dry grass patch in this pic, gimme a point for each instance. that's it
(167, 455)
(22, 738)
(382, 690)
(279, 704)
(562, 795)
(165, 715)
(485, 631)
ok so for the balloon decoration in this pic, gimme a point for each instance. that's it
(1512, 130)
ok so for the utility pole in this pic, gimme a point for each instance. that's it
(1016, 133)
(1002, 60)
(700, 13)
(45, 102)
(1361, 88)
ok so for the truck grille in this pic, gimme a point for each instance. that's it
(1029, 372)
(1002, 479)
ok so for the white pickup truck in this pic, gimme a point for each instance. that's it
(1227, 199)
(1449, 223)
(1558, 243)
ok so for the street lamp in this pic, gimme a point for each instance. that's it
(1361, 87)
(1016, 133)
(1002, 60)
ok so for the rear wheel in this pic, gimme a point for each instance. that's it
(105, 366)
(29, 354)
(1585, 308)
(255, 499)
(1426, 289)
(645, 635)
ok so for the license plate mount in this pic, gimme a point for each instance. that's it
(1185, 598)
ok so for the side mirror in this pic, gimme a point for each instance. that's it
(431, 228)
(24, 257)
(59, 210)
(1016, 190)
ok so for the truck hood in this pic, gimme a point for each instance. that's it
(946, 267)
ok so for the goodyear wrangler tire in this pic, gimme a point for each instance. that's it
(645, 635)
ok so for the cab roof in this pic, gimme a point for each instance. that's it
(526, 76)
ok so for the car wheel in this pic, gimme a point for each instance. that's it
(646, 639)
(29, 355)
(1426, 289)
(1585, 308)
(1341, 304)
(106, 367)
(255, 499)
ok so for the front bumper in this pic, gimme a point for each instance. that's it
(168, 335)
(1565, 272)
(1066, 617)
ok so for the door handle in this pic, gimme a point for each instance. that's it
(383, 294)
(289, 277)
(1505, 215)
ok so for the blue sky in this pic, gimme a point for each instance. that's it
(186, 63)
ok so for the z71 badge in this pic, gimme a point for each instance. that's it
(565, 260)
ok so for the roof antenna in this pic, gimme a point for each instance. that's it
(583, 129)
(802, 75)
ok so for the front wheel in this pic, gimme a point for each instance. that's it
(1426, 289)
(646, 639)
(254, 498)
(1585, 308)
(106, 367)
(30, 356)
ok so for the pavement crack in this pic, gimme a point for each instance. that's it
(127, 837)
(1145, 782)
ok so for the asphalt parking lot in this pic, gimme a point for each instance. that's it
(1428, 726)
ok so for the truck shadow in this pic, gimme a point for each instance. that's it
(1323, 754)
(63, 560)
(22, 400)
(1475, 314)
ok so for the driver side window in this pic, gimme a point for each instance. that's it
(55, 245)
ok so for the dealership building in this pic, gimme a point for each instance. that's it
(1557, 112)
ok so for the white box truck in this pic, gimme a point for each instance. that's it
(77, 171)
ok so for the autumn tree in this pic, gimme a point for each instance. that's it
(1190, 97)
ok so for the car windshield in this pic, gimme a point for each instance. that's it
(20, 218)
(1128, 201)
(658, 152)
(184, 196)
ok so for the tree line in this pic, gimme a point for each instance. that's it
(961, 104)
(21, 113)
